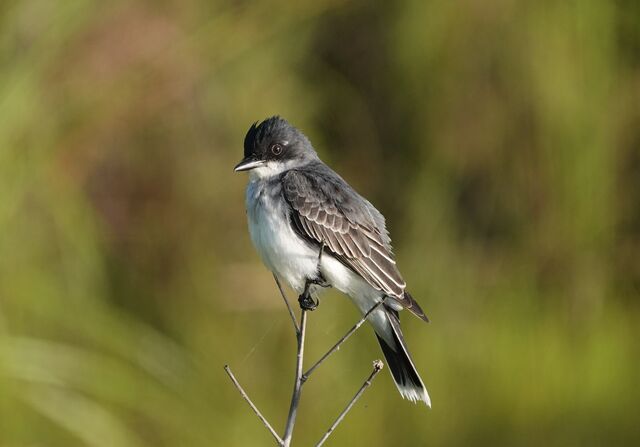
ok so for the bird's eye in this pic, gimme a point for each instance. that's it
(276, 149)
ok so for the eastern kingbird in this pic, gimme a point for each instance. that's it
(313, 230)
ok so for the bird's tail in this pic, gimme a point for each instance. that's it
(399, 361)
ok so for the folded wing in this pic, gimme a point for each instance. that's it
(325, 209)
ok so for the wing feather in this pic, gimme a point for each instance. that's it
(321, 219)
(351, 229)
(313, 212)
(359, 239)
(351, 248)
(383, 254)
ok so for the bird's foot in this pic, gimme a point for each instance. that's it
(307, 302)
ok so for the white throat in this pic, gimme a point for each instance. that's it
(272, 169)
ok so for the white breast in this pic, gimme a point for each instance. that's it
(281, 250)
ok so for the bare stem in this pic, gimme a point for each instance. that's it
(252, 405)
(301, 377)
(344, 338)
(377, 367)
(297, 384)
(286, 301)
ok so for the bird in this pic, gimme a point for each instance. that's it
(313, 230)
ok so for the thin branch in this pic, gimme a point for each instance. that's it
(335, 347)
(301, 377)
(286, 301)
(297, 384)
(253, 407)
(377, 367)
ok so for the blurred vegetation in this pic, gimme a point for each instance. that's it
(501, 139)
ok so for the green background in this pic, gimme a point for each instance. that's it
(501, 139)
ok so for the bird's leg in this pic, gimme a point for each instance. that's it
(319, 280)
(306, 300)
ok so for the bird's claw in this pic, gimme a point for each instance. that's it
(307, 302)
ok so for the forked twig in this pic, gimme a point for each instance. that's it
(297, 384)
(301, 378)
(377, 367)
(252, 405)
(344, 338)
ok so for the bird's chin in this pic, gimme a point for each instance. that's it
(271, 169)
(265, 171)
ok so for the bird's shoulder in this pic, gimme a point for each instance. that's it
(318, 186)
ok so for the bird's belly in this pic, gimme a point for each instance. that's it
(347, 281)
(280, 248)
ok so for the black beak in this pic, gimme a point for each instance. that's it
(247, 164)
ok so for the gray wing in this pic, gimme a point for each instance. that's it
(325, 209)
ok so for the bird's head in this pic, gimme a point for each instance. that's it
(274, 146)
